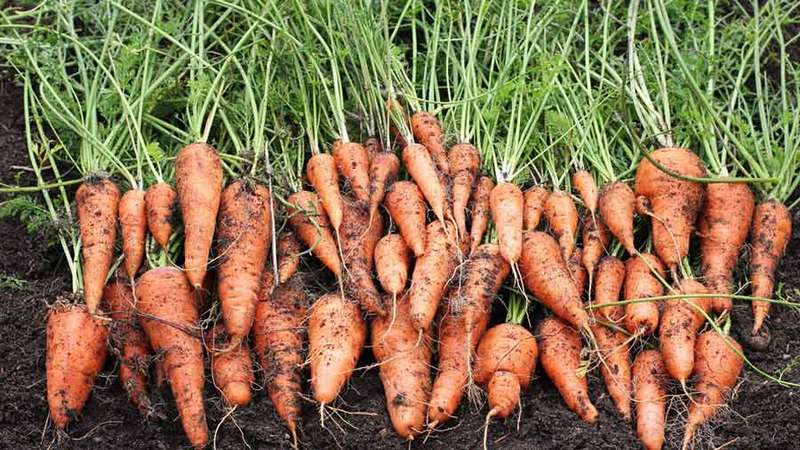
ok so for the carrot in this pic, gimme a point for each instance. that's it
(718, 364)
(576, 271)
(312, 227)
(170, 319)
(198, 173)
(428, 132)
(560, 353)
(464, 161)
(772, 229)
(506, 203)
(563, 219)
(642, 318)
(129, 342)
(505, 362)
(674, 203)
(374, 233)
(244, 235)
(336, 335)
(615, 366)
(723, 230)
(407, 207)
(545, 275)
(352, 162)
(382, 171)
(678, 330)
(392, 261)
(595, 241)
(481, 210)
(96, 200)
(374, 147)
(608, 286)
(76, 351)
(133, 227)
(535, 198)
(160, 202)
(279, 337)
(486, 270)
(432, 271)
(650, 398)
(232, 368)
(404, 356)
(617, 205)
(321, 173)
(583, 182)
(288, 249)
(358, 281)
(419, 165)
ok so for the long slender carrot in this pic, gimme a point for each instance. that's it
(563, 219)
(507, 204)
(321, 173)
(772, 229)
(133, 227)
(288, 249)
(428, 131)
(160, 201)
(535, 199)
(481, 211)
(311, 225)
(382, 172)
(352, 162)
(650, 397)
(419, 165)
(465, 161)
(358, 281)
(584, 183)
(617, 205)
(96, 200)
(198, 172)
(431, 274)
(407, 207)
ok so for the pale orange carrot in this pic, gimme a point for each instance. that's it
(419, 165)
(642, 318)
(309, 222)
(506, 202)
(321, 173)
(535, 199)
(407, 207)
(617, 204)
(133, 227)
(583, 182)
(160, 201)
(563, 219)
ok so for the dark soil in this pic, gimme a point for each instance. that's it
(762, 415)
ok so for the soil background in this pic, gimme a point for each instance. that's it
(762, 414)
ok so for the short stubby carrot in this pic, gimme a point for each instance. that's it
(406, 206)
(352, 162)
(374, 147)
(321, 173)
(288, 250)
(641, 318)
(465, 161)
(506, 202)
(357, 250)
(310, 224)
(680, 323)
(428, 131)
(535, 199)
(650, 381)
(232, 368)
(432, 272)
(772, 230)
(419, 165)
(392, 263)
(563, 219)
(96, 201)
(608, 287)
(133, 227)
(160, 201)
(383, 171)
(198, 175)
(615, 366)
(617, 206)
(584, 183)
(481, 211)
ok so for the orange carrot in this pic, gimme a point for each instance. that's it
(76, 351)
(615, 366)
(546, 276)
(535, 198)
(486, 270)
(772, 229)
(352, 161)
(560, 353)
(642, 318)
(358, 281)
(563, 219)
(392, 261)
(96, 201)
(678, 330)
(407, 207)
(576, 271)
(431, 275)
(382, 171)
(608, 286)
(650, 398)
(374, 147)
(288, 249)
(595, 241)
(428, 132)
(464, 161)
(617, 204)
(321, 173)
(312, 227)
(583, 182)
(170, 319)
(419, 165)
(481, 211)
(674, 203)
(507, 202)
(160, 201)
(198, 172)
(232, 368)
(133, 227)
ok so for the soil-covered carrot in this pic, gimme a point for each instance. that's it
(563, 219)
(407, 207)
(432, 271)
(279, 336)
(160, 201)
(428, 132)
(129, 342)
(615, 366)
(560, 353)
(358, 281)
(546, 276)
(133, 227)
(506, 202)
(718, 363)
(382, 172)
(486, 270)
(678, 330)
(288, 249)
(419, 165)
(772, 229)
(244, 234)
(96, 200)
(321, 173)
(465, 161)
(76, 351)
(576, 270)
(535, 198)
(392, 263)
(617, 206)
(404, 356)
(584, 183)
(198, 173)
(650, 398)
(595, 242)
(231, 367)
(374, 147)
(481, 211)
(170, 319)
(674, 203)
(723, 229)
(336, 334)
(311, 226)
(352, 162)
(608, 287)
(642, 318)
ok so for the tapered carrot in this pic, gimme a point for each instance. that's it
(428, 132)
(76, 351)
(617, 205)
(680, 323)
(419, 165)
(96, 200)
(358, 281)
(576, 270)
(382, 172)
(608, 286)
(160, 201)
(374, 147)
(198, 172)
(407, 207)
(392, 263)
(595, 242)
(352, 162)
(615, 366)
(288, 249)
(563, 219)
(506, 202)
(486, 270)
(535, 199)
(481, 211)
(584, 183)
(232, 368)
(650, 398)
(432, 271)
(772, 229)
(321, 173)
(465, 161)
(640, 283)
(311, 226)
(133, 227)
